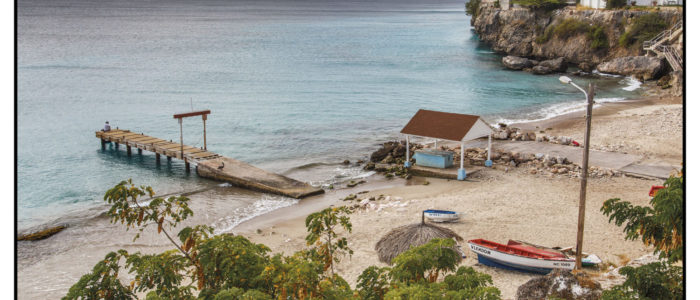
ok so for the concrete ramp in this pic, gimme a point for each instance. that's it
(246, 176)
(658, 171)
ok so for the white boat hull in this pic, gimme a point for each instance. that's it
(495, 258)
(439, 218)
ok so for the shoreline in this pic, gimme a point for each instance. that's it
(89, 213)
(567, 120)
(284, 233)
(282, 229)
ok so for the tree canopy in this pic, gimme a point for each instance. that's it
(206, 266)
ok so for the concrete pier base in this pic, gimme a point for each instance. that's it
(246, 176)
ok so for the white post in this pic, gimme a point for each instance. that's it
(435, 144)
(461, 161)
(407, 163)
(407, 149)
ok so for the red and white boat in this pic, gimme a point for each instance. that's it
(520, 257)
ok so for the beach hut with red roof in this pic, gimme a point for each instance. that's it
(447, 126)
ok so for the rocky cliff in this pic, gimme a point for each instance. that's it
(528, 33)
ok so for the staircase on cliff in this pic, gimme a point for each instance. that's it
(659, 46)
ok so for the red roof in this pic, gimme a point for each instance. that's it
(441, 125)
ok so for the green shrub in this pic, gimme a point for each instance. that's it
(546, 36)
(612, 4)
(569, 28)
(472, 7)
(541, 4)
(222, 267)
(572, 27)
(661, 225)
(657, 280)
(643, 28)
(599, 40)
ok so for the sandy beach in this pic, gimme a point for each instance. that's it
(499, 206)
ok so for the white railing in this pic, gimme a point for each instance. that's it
(669, 52)
(672, 56)
(662, 36)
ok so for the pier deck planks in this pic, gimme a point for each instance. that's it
(214, 166)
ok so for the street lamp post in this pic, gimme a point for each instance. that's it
(584, 167)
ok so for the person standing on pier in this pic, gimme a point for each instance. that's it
(107, 127)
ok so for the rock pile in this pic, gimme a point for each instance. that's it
(546, 165)
(613, 277)
(560, 284)
(505, 132)
(535, 164)
(376, 203)
(393, 152)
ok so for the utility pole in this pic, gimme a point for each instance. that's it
(584, 176)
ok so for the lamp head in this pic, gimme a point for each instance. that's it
(565, 80)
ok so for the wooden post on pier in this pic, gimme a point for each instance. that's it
(204, 121)
(157, 159)
(179, 118)
(128, 150)
(182, 152)
(140, 151)
(103, 143)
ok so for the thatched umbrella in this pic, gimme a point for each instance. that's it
(403, 238)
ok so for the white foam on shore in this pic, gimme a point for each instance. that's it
(556, 110)
(631, 83)
(605, 74)
(266, 204)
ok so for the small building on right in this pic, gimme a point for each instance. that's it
(653, 2)
(601, 4)
(597, 4)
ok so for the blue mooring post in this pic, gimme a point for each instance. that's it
(462, 174)
(489, 162)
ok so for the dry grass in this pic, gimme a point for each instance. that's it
(624, 259)
(403, 238)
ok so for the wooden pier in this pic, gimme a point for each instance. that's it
(209, 164)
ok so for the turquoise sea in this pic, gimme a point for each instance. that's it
(294, 87)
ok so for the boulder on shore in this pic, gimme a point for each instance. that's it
(516, 63)
(560, 284)
(642, 67)
(556, 65)
(541, 70)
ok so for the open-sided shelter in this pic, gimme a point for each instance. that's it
(447, 126)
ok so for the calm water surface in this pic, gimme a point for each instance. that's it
(289, 84)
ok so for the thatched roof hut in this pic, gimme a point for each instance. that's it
(403, 238)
